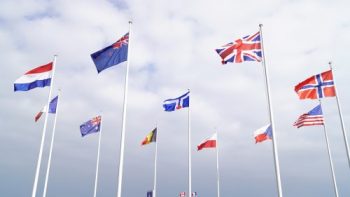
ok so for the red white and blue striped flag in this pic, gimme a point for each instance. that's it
(313, 117)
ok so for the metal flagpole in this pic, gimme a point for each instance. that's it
(217, 163)
(98, 157)
(189, 152)
(122, 138)
(330, 156)
(35, 185)
(52, 140)
(155, 165)
(341, 117)
(274, 138)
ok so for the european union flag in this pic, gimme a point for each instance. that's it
(91, 126)
(112, 55)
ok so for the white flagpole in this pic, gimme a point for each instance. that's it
(155, 166)
(35, 185)
(341, 117)
(274, 136)
(189, 152)
(217, 163)
(52, 140)
(98, 157)
(330, 156)
(122, 138)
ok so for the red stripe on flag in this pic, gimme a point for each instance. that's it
(207, 144)
(41, 69)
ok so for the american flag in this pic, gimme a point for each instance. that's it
(313, 117)
(247, 48)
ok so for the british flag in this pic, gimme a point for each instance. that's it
(317, 86)
(247, 48)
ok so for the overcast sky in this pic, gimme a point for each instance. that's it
(173, 49)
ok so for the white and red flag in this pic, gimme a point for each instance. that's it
(208, 143)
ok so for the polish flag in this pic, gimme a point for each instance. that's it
(208, 143)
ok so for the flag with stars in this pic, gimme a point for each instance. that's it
(91, 126)
(112, 55)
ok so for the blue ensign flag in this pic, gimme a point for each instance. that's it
(177, 103)
(112, 55)
(91, 126)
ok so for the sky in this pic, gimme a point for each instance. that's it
(172, 49)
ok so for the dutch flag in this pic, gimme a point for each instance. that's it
(37, 77)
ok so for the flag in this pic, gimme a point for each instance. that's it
(91, 126)
(247, 48)
(208, 143)
(311, 118)
(151, 137)
(52, 108)
(150, 194)
(318, 86)
(194, 194)
(37, 77)
(263, 133)
(177, 103)
(182, 194)
(112, 55)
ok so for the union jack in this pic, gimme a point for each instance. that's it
(317, 86)
(247, 48)
(122, 41)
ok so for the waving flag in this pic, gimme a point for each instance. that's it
(247, 48)
(263, 133)
(177, 103)
(111, 55)
(52, 108)
(208, 143)
(91, 126)
(313, 117)
(318, 86)
(151, 137)
(37, 77)
(150, 194)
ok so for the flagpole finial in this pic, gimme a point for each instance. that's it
(130, 22)
(260, 25)
(330, 64)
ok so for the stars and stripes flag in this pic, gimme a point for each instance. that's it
(311, 118)
(317, 86)
(247, 48)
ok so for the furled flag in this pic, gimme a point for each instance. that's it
(112, 55)
(263, 133)
(318, 86)
(91, 126)
(247, 48)
(151, 137)
(311, 118)
(177, 103)
(37, 77)
(52, 108)
(150, 194)
(208, 143)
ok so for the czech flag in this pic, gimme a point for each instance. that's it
(263, 133)
(38, 77)
(208, 143)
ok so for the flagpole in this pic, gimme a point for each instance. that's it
(122, 139)
(217, 163)
(274, 138)
(35, 185)
(189, 152)
(52, 140)
(155, 165)
(341, 117)
(98, 157)
(330, 156)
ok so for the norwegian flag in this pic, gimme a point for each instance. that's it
(247, 48)
(318, 86)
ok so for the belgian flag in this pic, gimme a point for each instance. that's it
(151, 137)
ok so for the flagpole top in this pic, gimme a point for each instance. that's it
(130, 22)
(330, 64)
(260, 25)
